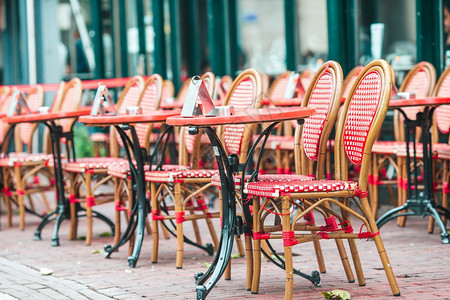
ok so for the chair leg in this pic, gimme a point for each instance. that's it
(179, 221)
(6, 197)
(289, 265)
(73, 208)
(156, 208)
(210, 225)
(344, 260)
(240, 247)
(445, 184)
(249, 261)
(381, 250)
(354, 251)
(227, 272)
(89, 204)
(401, 221)
(118, 204)
(256, 247)
(190, 207)
(20, 193)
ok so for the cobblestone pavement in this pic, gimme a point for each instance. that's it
(419, 260)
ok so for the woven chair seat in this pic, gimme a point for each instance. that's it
(99, 137)
(401, 150)
(121, 169)
(443, 151)
(178, 176)
(215, 179)
(87, 164)
(283, 186)
(275, 141)
(15, 158)
(386, 147)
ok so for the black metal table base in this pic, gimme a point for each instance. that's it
(419, 208)
(419, 204)
(63, 213)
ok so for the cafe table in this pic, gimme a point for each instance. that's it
(227, 166)
(419, 203)
(57, 134)
(139, 211)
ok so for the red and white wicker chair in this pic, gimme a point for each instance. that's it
(186, 187)
(419, 80)
(26, 170)
(86, 175)
(364, 112)
(323, 94)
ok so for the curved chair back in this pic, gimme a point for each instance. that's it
(129, 97)
(70, 101)
(130, 94)
(419, 80)
(364, 111)
(245, 93)
(5, 98)
(442, 89)
(56, 104)
(350, 80)
(278, 87)
(168, 90)
(149, 100)
(35, 99)
(222, 87)
(190, 144)
(323, 94)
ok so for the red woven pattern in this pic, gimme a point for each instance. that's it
(165, 93)
(241, 99)
(401, 150)
(130, 99)
(149, 103)
(99, 137)
(215, 179)
(281, 187)
(386, 147)
(22, 157)
(306, 82)
(419, 84)
(443, 152)
(172, 176)
(68, 105)
(26, 129)
(360, 115)
(189, 140)
(320, 99)
(443, 118)
(90, 163)
(279, 88)
(121, 168)
(3, 125)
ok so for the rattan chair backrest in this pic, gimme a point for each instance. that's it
(245, 93)
(364, 112)
(323, 94)
(35, 99)
(150, 100)
(278, 87)
(442, 89)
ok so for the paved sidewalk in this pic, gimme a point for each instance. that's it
(419, 260)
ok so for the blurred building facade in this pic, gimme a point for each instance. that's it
(50, 40)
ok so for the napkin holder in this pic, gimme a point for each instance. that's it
(294, 87)
(18, 104)
(198, 101)
(103, 102)
(405, 95)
